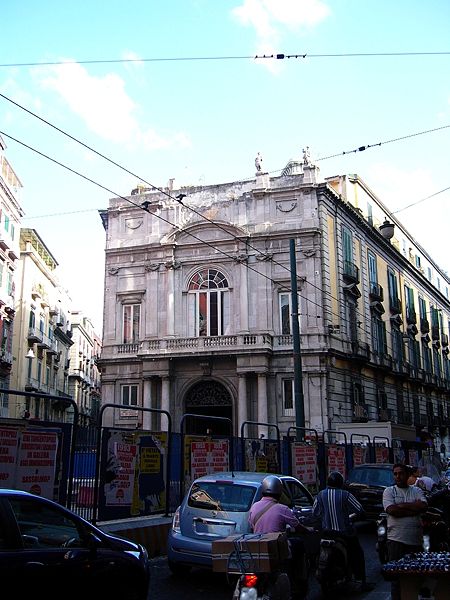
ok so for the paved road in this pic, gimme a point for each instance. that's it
(204, 585)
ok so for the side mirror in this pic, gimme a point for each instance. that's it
(93, 542)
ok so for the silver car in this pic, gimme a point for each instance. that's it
(217, 505)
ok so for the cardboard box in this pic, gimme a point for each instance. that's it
(250, 553)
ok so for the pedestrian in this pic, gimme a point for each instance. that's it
(403, 504)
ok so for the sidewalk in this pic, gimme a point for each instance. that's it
(382, 592)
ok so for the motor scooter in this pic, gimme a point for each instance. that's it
(281, 583)
(334, 568)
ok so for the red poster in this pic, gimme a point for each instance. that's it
(336, 459)
(304, 463)
(37, 463)
(9, 439)
(208, 457)
(359, 455)
(381, 454)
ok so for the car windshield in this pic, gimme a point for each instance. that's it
(369, 476)
(216, 495)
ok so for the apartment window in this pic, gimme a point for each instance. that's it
(437, 362)
(418, 261)
(393, 291)
(131, 323)
(39, 371)
(10, 282)
(288, 398)
(130, 395)
(381, 400)
(414, 353)
(12, 231)
(42, 324)
(410, 308)
(6, 222)
(285, 313)
(347, 244)
(208, 304)
(370, 214)
(1, 273)
(430, 273)
(379, 342)
(397, 344)
(372, 264)
(426, 353)
(47, 376)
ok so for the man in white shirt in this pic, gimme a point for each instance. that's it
(403, 504)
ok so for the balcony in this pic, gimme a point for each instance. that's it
(400, 367)
(411, 317)
(6, 357)
(360, 413)
(351, 272)
(4, 243)
(34, 335)
(44, 342)
(385, 414)
(395, 305)
(234, 344)
(361, 351)
(435, 334)
(405, 418)
(376, 292)
(384, 361)
(424, 326)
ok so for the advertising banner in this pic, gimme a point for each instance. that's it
(9, 441)
(413, 457)
(133, 470)
(261, 456)
(381, 454)
(37, 462)
(336, 459)
(304, 463)
(360, 455)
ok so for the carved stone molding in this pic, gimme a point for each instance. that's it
(133, 223)
(240, 258)
(308, 252)
(172, 264)
(113, 270)
(264, 256)
(286, 206)
(152, 267)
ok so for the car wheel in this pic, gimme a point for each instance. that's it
(178, 569)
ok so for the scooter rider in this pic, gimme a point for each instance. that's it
(333, 506)
(268, 515)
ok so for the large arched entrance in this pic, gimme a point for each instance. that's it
(209, 398)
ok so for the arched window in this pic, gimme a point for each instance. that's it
(208, 303)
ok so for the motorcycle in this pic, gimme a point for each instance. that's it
(279, 584)
(334, 568)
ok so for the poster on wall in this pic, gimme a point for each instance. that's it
(413, 457)
(261, 456)
(360, 455)
(304, 463)
(9, 441)
(36, 464)
(381, 454)
(336, 459)
(209, 457)
(133, 473)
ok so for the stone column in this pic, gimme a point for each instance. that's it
(262, 403)
(242, 401)
(243, 298)
(165, 398)
(147, 403)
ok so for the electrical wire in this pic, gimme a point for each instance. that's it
(279, 56)
(179, 199)
(214, 247)
(419, 201)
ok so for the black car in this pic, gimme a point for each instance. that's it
(46, 551)
(367, 483)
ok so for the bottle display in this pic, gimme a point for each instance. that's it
(420, 563)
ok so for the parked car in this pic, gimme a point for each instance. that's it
(367, 483)
(217, 506)
(47, 551)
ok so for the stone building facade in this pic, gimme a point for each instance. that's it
(198, 306)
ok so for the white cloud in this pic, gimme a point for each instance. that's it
(103, 104)
(270, 18)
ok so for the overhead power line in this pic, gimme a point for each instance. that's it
(279, 56)
(419, 201)
(177, 227)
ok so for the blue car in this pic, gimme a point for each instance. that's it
(217, 506)
(48, 552)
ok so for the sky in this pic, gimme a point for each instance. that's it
(203, 121)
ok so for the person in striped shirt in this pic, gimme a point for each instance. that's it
(333, 506)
